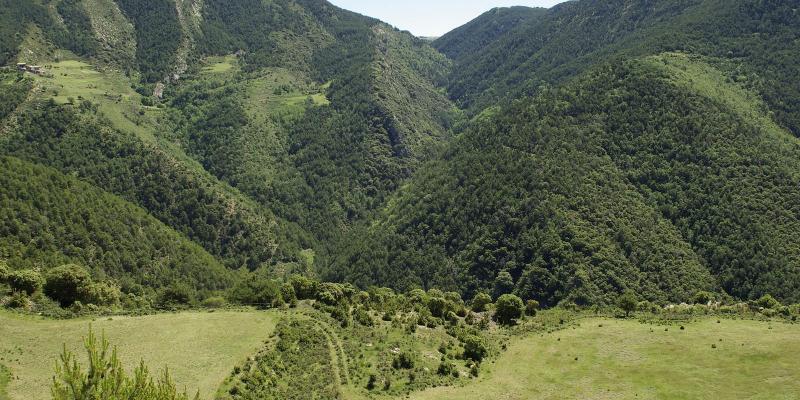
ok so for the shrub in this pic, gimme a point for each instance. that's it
(105, 378)
(175, 294)
(503, 284)
(508, 309)
(362, 317)
(373, 379)
(451, 317)
(304, 288)
(262, 293)
(403, 361)
(65, 284)
(627, 302)
(288, 294)
(4, 272)
(19, 300)
(101, 294)
(475, 348)
(28, 281)
(474, 370)
(454, 298)
(480, 302)
(439, 306)
(767, 301)
(703, 297)
(794, 309)
(531, 307)
(214, 302)
(446, 368)
(329, 293)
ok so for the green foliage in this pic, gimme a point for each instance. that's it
(768, 302)
(173, 192)
(73, 222)
(4, 272)
(531, 307)
(403, 361)
(704, 297)
(27, 281)
(261, 293)
(214, 302)
(13, 89)
(628, 302)
(104, 294)
(446, 368)
(480, 301)
(475, 348)
(176, 294)
(536, 49)
(158, 36)
(508, 309)
(503, 284)
(299, 366)
(106, 378)
(80, 38)
(66, 283)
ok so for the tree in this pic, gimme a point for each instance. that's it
(64, 284)
(175, 294)
(503, 284)
(508, 309)
(28, 281)
(627, 302)
(703, 297)
(768, 302)
(104, 294)
(106, 378)
(480, 301)
(475, 348)
(4, 272)
(531, 307)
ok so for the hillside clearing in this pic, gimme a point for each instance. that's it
(199, 348)
(603, 359)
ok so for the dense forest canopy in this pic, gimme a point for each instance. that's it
(564, 155)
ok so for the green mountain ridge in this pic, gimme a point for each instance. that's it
(564, 154)
(759, 38)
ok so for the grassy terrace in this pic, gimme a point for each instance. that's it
(199, 348)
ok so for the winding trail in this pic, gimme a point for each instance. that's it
(338, 356)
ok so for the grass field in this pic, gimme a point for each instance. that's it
(72, 79)
(616, 359)
(220, 64)
(200, 349)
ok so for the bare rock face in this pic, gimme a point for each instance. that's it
(159, 90)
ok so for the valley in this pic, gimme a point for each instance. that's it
(286, 199)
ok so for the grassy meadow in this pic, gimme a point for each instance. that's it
(199, 348)
(621, 359)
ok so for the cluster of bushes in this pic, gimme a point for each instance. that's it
(69, 286)
(704, 303)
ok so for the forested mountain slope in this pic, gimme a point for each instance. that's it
(52, 219)
(612, 145)
(652, 175)
(759, 38)
(258, 130)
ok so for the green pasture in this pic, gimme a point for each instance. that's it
(622, 359)
(199, 348)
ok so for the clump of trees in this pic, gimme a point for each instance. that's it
(509, 309)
